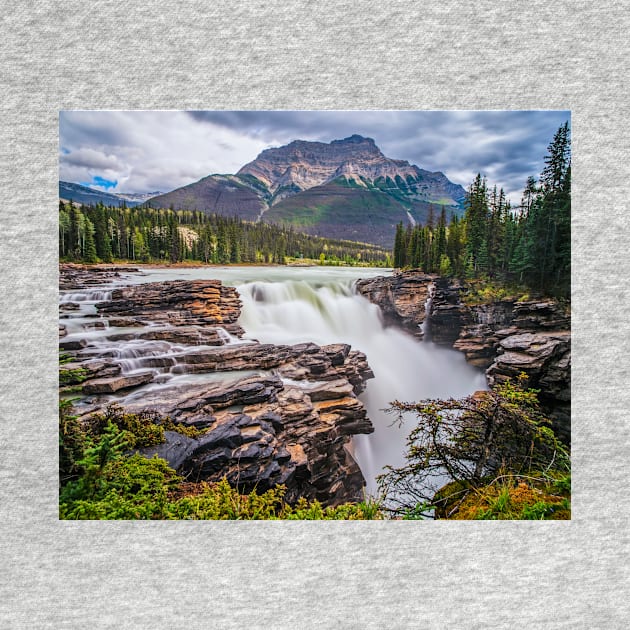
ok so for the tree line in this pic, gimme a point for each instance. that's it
(529, 244)
(105, 233)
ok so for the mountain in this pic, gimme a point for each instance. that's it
(138, 197)
(343, 189)
(89, 196)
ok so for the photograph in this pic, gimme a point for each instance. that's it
(315, 315)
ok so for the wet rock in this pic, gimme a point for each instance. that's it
(176, 449)
(331, 390)
(197, 402)
(337, 353)
(116, 383)
(194, 335)
(125, 322)
(72, 344)
(79, 371)
(261, 431)
(69, 306)
(76, 276)
(177, 302)
(401, 297)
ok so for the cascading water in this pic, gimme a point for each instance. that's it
(286, 306)
(428, 307)
(404, 368)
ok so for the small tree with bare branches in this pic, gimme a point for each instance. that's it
(469, 441)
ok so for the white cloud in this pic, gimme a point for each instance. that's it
(162, 150)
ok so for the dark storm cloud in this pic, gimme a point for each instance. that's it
(506, 146)
(149, 150)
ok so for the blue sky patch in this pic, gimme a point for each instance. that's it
(102, 182)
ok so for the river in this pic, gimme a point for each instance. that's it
(288, 305)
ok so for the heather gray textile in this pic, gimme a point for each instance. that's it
(300, 55)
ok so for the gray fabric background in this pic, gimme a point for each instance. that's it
(332, 55)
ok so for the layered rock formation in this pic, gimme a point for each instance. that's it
(178, 303)
(402, 298)
(271, 414)
(505, 337)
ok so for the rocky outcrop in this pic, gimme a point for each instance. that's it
(271, 414)
(448, 314)
(401, 297)
(76, 276)
(505, 337)
(268, 430)
(546, 359)
(178, 303)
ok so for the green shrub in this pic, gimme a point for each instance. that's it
(100, 480)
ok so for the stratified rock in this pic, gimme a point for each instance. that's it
(177, 302)
(401, 297)
(195, 404)
(75, 276)
(176, 449)
(546, 359)
(116, 383)
(290, 423)
(72, 344)
(506, 337)
(194, 335)
(262, 432)
(80, 371)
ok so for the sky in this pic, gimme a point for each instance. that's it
(147, 151)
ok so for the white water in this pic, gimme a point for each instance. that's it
(327, 310)
(294, 305)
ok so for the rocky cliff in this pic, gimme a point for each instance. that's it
(270, 414)
(301, 165)
(504, 337)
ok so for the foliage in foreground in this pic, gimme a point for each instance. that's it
(100, 479)
(489, 455)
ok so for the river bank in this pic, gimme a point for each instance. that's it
(504, 337)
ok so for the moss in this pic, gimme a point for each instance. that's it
(188, 431)
(72, 377)
(512, 497)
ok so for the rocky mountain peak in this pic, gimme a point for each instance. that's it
(302, 164)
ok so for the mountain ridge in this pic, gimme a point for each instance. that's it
(79, 193)
(344, 187)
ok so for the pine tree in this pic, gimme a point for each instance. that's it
(89, 249)
(476, 218)
(399, 252)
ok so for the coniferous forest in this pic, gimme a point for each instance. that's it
(105, 233)
(529, 244)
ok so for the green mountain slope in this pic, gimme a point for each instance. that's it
(342, 189)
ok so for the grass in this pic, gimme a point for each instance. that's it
(510, 497)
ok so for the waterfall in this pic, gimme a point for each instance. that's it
(428, 307)
(283, 305)
(294, 311)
